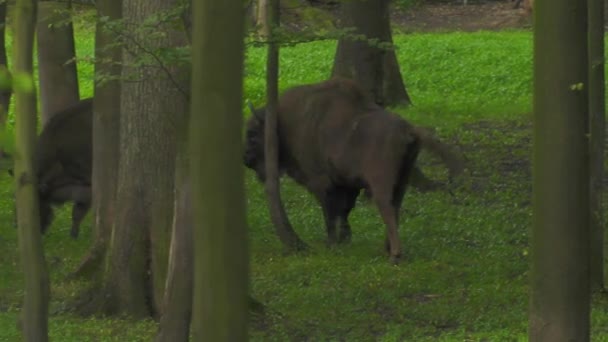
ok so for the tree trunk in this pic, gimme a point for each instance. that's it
(106, 128)
(368, 57)
(177, 310)
(597, 125)
(5, 94)
(57, 76)
(177, 306)
(139, 247)
(262, 22)
(35, 307)
(278, 215)
(560, 300)
(221, 265)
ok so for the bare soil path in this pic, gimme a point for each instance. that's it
(455, 16)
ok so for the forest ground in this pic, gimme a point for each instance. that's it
(452, 15)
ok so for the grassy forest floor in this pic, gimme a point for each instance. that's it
(465, 273)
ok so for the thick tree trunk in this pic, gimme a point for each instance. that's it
(106, 128)
(597, 125)
(36, 295)
(560, 300)
(57, 76)
(139, 247)
(371, 61)
(221, 265)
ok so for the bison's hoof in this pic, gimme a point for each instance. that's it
(74, 234)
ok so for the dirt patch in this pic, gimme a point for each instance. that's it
(499, 155)
(455, 16)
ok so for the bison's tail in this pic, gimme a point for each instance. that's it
(408, 160)
(449, 156)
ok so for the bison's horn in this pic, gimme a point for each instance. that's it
(255, 113)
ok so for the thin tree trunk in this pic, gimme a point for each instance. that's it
(58, 77)
(5, 94)
(373, 64)
(106, 128)
(560, 300)
(221, 265)
(278, 215)
(597, 125)
(36, 295)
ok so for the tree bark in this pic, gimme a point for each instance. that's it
(177, 310)
(278, 215)
(221, 265)
(597, 125)
(139, 246)
(106, 128)
(35, 307)
(5, 94)
(177, 306)
(262, 17)
(57, 76)
(560, 300)
(369, 58)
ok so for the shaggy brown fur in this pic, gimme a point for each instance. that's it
(335, 142)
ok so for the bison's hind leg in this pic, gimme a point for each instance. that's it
(388, 196)
(337, 202)
(389, 216)
(349, 199)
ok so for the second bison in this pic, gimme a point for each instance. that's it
(63, 163)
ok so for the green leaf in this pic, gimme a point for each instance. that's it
(23, 81)
(5, 78)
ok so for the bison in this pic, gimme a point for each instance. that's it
(334, 141)
(63, 164)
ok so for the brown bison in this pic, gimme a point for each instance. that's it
(63, 164)
(334, 141)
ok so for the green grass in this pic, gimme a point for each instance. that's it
(465, 272)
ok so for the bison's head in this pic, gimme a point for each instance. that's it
(254, 142)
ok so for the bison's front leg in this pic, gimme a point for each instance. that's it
(79, 211)
(80, 195)
(330, 214)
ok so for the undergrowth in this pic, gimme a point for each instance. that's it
(465, 271)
